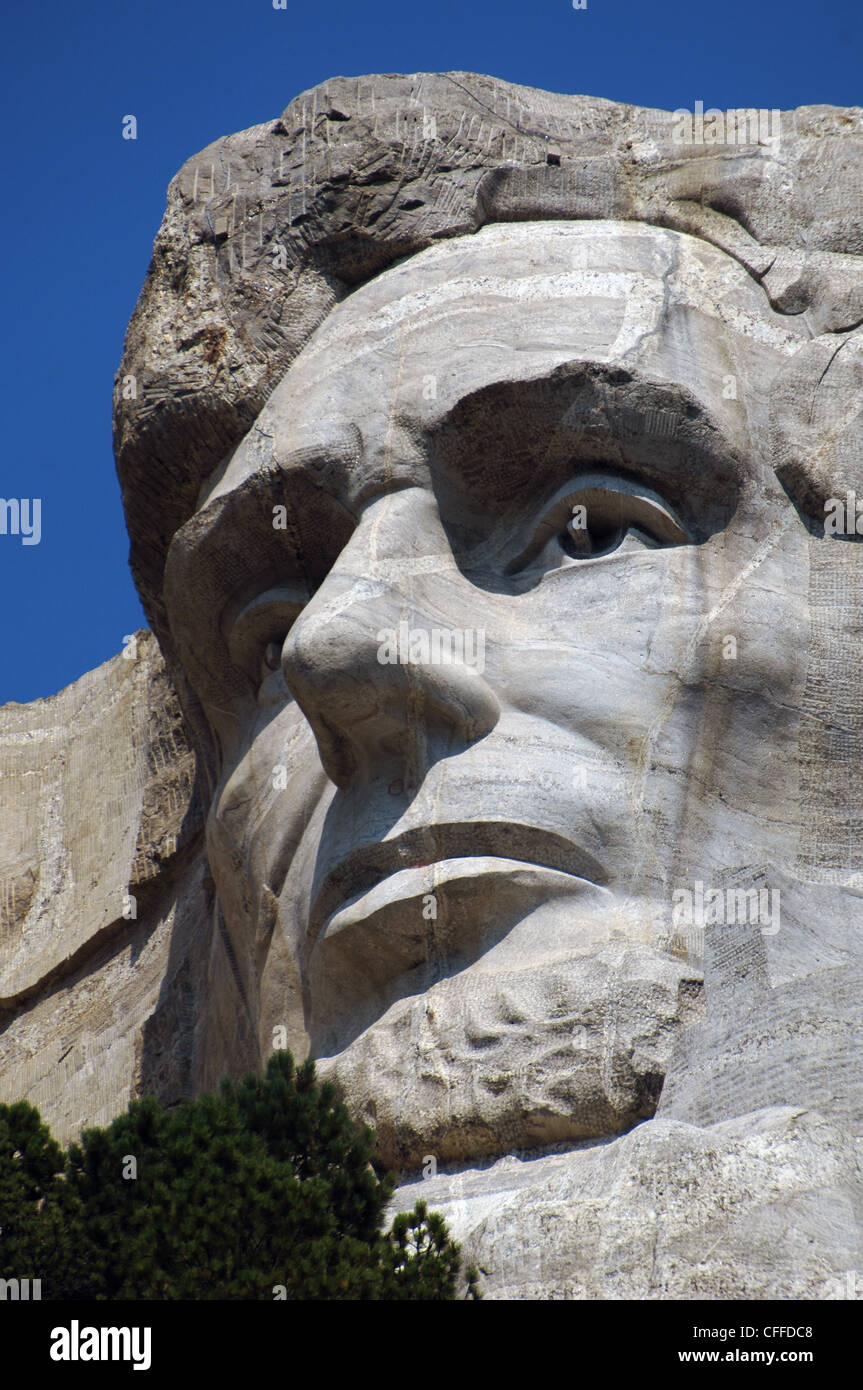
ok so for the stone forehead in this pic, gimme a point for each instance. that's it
(512, 303)
(539, 263)
(267, 229)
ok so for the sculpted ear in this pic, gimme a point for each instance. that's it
(816, 423)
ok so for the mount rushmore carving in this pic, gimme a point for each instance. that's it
(498, 739)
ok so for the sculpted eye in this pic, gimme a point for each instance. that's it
(258, 633)
(273, 654)
(601, 514)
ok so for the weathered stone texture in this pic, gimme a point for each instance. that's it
(99, 822)
(764, 1206)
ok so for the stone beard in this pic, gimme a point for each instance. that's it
(451, 879)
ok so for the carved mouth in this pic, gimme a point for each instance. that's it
(368, 866)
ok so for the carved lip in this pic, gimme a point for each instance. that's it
(369, 865)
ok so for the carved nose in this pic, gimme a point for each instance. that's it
(382, 683)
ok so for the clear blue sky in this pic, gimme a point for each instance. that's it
(82, 205)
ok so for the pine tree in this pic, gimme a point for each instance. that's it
(264, 1190)
(42, 1223)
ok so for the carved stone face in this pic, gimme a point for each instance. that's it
(496, 612)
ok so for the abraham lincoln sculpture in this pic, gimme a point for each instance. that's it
(476, 448)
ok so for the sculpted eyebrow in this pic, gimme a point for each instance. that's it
(503, 446)
(211, 552)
